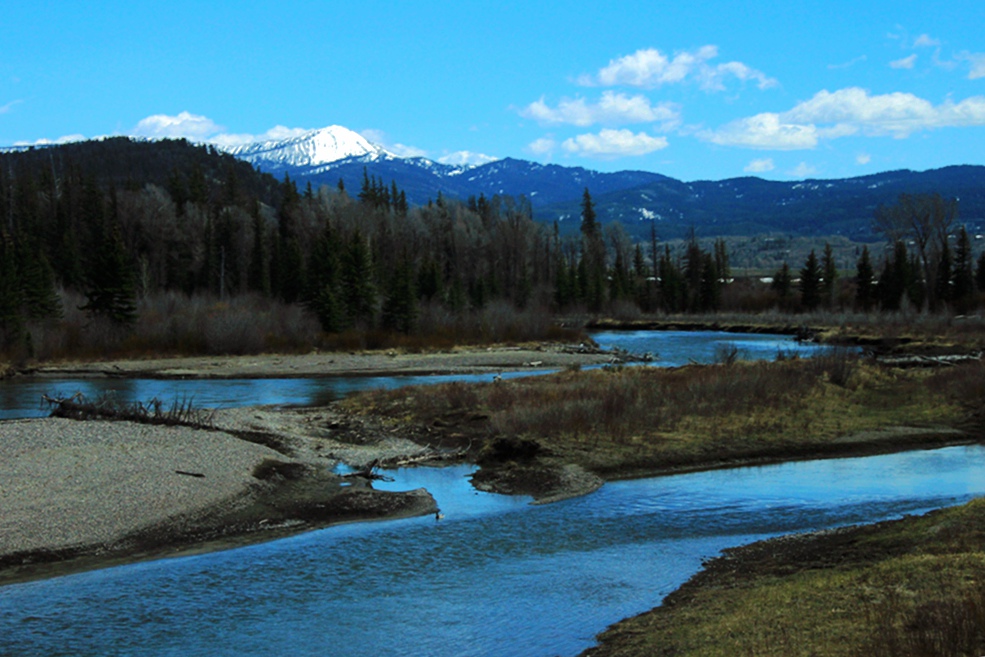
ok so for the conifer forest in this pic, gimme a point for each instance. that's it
(156, 246)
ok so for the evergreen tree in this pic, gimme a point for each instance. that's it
(323, 281)
(894, 279)
(673, 289)
(782, 284)
(37, 282)
(980, 273)
(945, 273)
(864, 281)
(11, 320)
(399, 310)
(258, 275)
(693, 270)
(964, 279)
(110, 288)
(810, 283)
(358, 291)
(709, 290)
(829, 276)
(593, 256)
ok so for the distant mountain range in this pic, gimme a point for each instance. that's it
(737, 206)
(637, 199)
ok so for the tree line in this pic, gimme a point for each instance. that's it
(119, 220)
(928, 264)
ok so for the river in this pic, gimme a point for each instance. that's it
(497, 576)
(20, 397)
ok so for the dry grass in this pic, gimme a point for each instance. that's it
(628, 421)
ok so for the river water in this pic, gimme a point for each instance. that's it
(21, 397)
(496, 576)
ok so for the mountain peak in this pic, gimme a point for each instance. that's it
(310, 149)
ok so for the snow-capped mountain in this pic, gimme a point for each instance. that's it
(312, 149)
(334, 155)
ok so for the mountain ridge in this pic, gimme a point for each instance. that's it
(733, 206)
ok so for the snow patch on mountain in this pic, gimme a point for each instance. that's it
(311, 149)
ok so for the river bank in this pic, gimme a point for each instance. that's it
(465, 360)
(78, 495)
(903, 588)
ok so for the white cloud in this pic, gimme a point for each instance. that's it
(379, 138)
(765, 131)
(542, 146)
(977, 62)
(374, 136)
(926, 41)
(863, 158)
(198, 128)
(611, 109)
(651, 68)
(850, 63)
(190, 126)
(614, 143)
(67, 139)
(802, 170)
(467, 157)
(760, 166)
(403, 150)
(906, 62)
(9, 106)
(276, 133)
(829, 115)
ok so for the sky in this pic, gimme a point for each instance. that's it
(695, 91)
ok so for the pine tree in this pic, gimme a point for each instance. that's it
(980, 273)
(782, 284)
(829, 276)
(11, 320)
(358, 291)
(258, 275)
(399, 310)
(110, 288)
(964, 280)
(864, 281)
(593, 255)
(942, 283)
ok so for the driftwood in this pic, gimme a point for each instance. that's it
(178, 413)
(427, 456)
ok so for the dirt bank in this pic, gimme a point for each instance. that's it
(478, 360)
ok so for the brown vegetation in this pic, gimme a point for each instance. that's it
(628, 421)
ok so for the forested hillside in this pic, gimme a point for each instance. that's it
(168, 246)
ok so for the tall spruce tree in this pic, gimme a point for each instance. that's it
(829, 276)
(110, 286)
(864, 281)
(593, 255)
(963, 290)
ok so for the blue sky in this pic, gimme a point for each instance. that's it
(695, 91)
